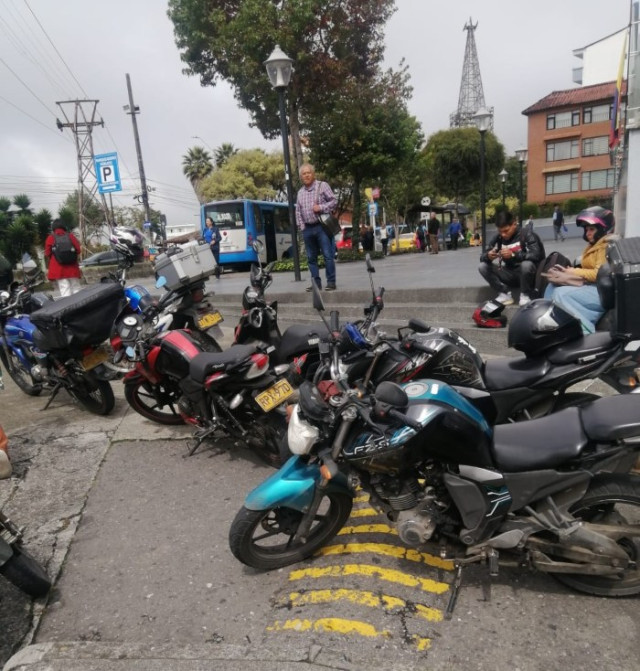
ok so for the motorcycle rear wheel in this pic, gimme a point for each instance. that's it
(23, 571)
(263, 539)
(158, 402)
(610, 499)
(19, 374)
(95, 395)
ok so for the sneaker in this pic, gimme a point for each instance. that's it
(524, 300)
(330, 287)
(309, 289)
(505, 298)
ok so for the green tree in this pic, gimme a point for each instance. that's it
(22, 202)
(329, 42)
(5, 204)
(93, 212)
(250, 173)
(196, 165)
(43, 219)
(222, 153)
(366, 133)
(19, 237)
(453, 157)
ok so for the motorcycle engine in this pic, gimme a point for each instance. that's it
(417, 526)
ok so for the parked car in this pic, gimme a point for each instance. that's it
(108, 258)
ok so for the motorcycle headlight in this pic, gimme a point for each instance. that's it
(301, 435)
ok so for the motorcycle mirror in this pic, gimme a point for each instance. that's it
(161, 281)
(4, 296)
(370, 268)
(258, 246)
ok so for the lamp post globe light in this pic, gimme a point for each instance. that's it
(521, 155)
(503, 174)
(279, 69)
(482, 120)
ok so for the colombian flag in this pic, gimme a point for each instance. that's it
(614, 132)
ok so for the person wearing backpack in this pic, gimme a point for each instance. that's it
(62, 251)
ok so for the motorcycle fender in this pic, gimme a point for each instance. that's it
(215, 333)
(292, 486)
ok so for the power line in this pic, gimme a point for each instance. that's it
(26, 87)
(55, 49)
(50, 128)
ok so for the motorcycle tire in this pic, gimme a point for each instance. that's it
(19, 374)
(157, 402)
(23, 571)
(95, 395)
(610, 499)
(253, 531)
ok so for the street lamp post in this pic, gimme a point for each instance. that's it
(503, 174)
(279, 69)
(482, 120)
(521, 155)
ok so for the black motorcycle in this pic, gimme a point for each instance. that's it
(539, 494)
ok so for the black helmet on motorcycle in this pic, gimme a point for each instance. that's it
(540, 325)
(597, 216)
(126, 240)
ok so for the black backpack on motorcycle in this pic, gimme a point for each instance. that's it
(63, 249)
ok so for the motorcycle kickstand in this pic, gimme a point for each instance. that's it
(199, 437)
(455, 590)
(54, 392)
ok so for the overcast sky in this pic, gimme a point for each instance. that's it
(87, 47)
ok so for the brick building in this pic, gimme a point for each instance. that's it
(568, 143)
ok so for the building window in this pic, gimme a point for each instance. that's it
(597, 113)
(561, 183)
(558, 151)
(563, 120)
(595, 146)
(598, 179)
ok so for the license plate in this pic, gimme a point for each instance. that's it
(274, 396)
(210, 319)
(94, 359)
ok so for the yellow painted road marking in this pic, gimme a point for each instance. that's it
(361, 499)
(387, 550)
(368, 529)
(364, 512)
(389, 575)
(330, 624)
(361, 598)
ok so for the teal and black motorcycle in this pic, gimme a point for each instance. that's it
(554, 492)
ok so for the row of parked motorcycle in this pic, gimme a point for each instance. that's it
(484, 458)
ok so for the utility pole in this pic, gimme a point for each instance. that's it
(133, 110)
(80, 116)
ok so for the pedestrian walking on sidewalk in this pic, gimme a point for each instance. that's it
(558, 224)
(315, 198)
(62, 251)
(433, 228)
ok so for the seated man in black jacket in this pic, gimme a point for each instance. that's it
(517, 253)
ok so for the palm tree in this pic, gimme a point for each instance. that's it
(196, 165)
(223, 153)
(23, 202)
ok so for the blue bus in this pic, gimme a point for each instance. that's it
(243, 221)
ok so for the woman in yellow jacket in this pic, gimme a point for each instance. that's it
(574, 289)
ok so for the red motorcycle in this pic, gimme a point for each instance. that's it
(233, 393)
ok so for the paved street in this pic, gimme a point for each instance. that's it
(136, 536)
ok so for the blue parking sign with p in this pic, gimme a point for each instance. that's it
(107, 172)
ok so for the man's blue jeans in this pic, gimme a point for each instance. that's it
(316, 241)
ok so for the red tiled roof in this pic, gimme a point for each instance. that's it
(577, 96)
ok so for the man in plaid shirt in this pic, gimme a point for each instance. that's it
(315, 198)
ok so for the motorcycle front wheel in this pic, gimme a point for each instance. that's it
(19, 374)
(611, 499)
(23, 571)
(264, 539)
(95, 395)
(157, 402)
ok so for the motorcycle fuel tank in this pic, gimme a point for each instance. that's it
(453, 431)
(177, 349)
(20, 327)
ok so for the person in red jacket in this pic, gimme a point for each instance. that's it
(67, 275)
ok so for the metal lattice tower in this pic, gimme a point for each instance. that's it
(471, 97)
(80, 116)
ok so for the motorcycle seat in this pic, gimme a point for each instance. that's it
(298, 338)
(512, 372)
(539, 444)
(612, 417)
(207, 363)
(589, 345)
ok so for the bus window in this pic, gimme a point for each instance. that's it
(281, 220)
(257, 217)
(227, 216)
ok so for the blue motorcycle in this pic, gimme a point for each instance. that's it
(548, 493)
